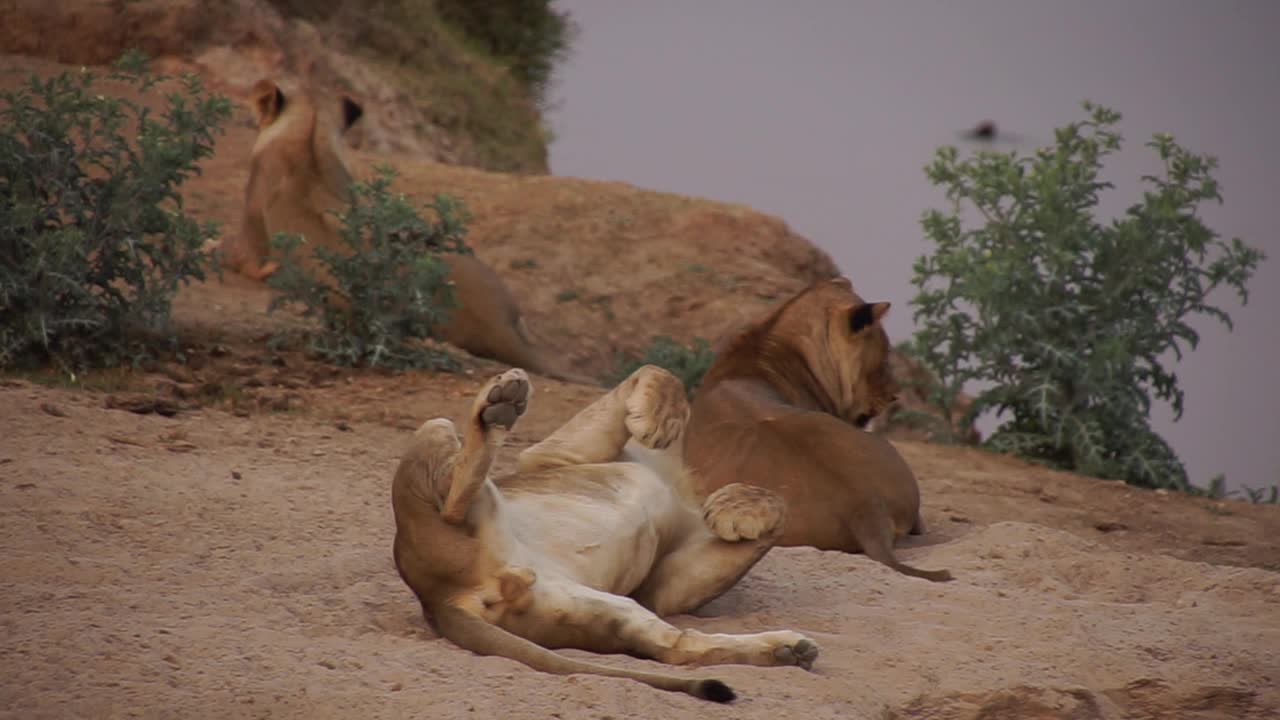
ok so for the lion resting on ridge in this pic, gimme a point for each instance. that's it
(298, 171)
(783, 406)
(592, 539)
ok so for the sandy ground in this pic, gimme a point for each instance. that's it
(229, 555)
(209, 565)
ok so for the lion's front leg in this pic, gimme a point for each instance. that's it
(496, 408)
(564, 614)
(650, 406)
(739, 525)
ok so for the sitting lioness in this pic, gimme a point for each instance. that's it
(782, 407)
(588, 543)
(298, 171)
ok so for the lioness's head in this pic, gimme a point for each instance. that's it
(825, 348)
(304, 128)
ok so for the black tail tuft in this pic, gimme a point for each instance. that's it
(716, 691)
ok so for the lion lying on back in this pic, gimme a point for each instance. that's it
(298, 171)
(592, 539)
(781, 407)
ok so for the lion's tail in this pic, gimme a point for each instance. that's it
(532, 356)
(483, 638)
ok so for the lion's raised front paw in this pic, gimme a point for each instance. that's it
(504, 399)
(744, 512)
(657, 408)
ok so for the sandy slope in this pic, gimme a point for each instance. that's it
(209, 565)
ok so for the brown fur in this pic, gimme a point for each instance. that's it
(588, 544)
(298, 171)
(782, 406)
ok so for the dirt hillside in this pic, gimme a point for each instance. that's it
(213, 539)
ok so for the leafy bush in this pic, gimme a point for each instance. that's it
(528, 35)
(94, 241)
(1265, 495)
(687, 362)
(1069, 320)
(386, 289)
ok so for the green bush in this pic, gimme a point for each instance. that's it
(94, 241)
(1070, 321)
(527, 35)
(687, 362)
(386, 289)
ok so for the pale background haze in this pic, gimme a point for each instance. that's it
(824, 113)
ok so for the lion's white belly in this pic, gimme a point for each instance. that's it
(607, 540)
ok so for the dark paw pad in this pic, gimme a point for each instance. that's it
(506, 401)
(802, 654)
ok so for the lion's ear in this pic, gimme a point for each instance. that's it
(866, 315)
(268, 102)
(351, 112)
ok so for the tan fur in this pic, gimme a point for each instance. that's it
(298, 172)
(588, 543)
(781, 407)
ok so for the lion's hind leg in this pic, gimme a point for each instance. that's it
(650, 406)
(565, 614)
(476, 634)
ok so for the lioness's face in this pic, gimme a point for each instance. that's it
(874, 384)
(850, 357)
(296, 122)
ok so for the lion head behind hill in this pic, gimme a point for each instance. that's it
(298, 173)
(782, 407)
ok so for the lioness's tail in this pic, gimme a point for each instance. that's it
(875, 533)
(482, 638)
(529, 355)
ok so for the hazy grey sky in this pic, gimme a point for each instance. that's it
(824, 113)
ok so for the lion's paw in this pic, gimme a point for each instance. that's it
(657, 408)
(744, 512)
(504, 399)
(515, 585)
(795, 649)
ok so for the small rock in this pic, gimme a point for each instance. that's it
(343, 425)
(960, 519)
(177, 373)
(219, 350)
(235, 474)
(53, 410)
(1109, 526)
(1222, 543)
(142, 404)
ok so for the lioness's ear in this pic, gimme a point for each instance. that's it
(351, 112)
(268, 102)
(866, 314)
